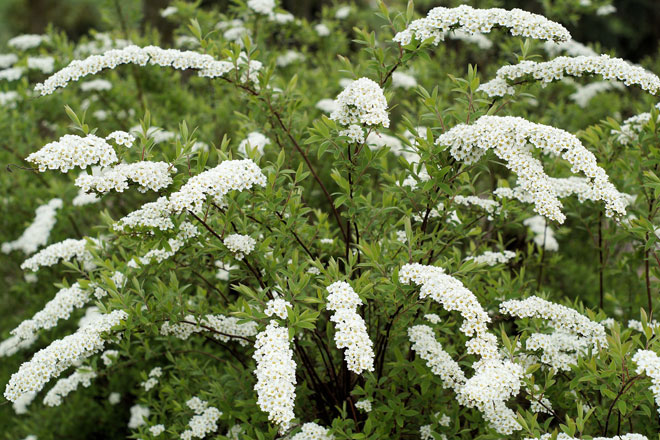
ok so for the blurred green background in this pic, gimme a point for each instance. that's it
(632, 32)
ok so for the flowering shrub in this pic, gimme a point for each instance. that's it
(391, 222)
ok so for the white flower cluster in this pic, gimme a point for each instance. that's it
(65, 386)
(354, 132)
(121, 138)
(8, 99)
(649, 363)
(206, 65)
(13, 344)
(490, 206)
(230, 175)
(472, 21)
(7, 60)
(494, 380)
(73, 151)
(479, 39)
(205, 420)
(239, 245)
(609, 68)
(60, 355)
(27, 41)
(544, 236)
(562, 436)
(44, 64)
(426, 432)
(234, 432)
(573, 333)
(351, 331)
(114, 398)
(152, 380)
(148, 175)
(584, 94)
(254, 140)
(508, 136)
(96, 85)
(327, 105)
(562, 188)
(109, 357)
(632, 127)
(65, 250)
(22, 403)
(186, 231)
(403, 80)
(571, 48)
(276, 375)
(227, 328)
(157, 134)
(157, 430)
(37, 234)
(277, 307)
(361, 102)
(492, 258)
(66, 301)
(438, 360)
(11, 74)
(313, 431)
(152, 215)
(364, 405)
(82, 199)
(637, 325)
(289, 57)
(138, 415)
(262, 6)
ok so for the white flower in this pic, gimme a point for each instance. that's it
(479, 39)
(11, 74)
(253, 140)
(230, 175)
(322, 30)
(148, 175)
(312, 431)
(65, 250)
(342, 12)
(363, 405)
(471, 21)
(508, 136)
(277, 307)
(73, 151)
(157, 430)
(571, 48)
(37, 234)
(239, 245)
(205, 64)
(262, 6)
(649, 363)
(27, 41)
(354, 132)
(289, 57)
(65, 386)
(609, 68)
(361, 102)
(82, 199)
(327, 105)
(7, 60)
(403, 80)
(114, 398)
(276, 375)
(121, 138)
(544, 236)
(350, 329)
(226, 328)
(138, 415)
(152, 380)
(168, 11)
(60, 355)
(44, 64)
(8, 99)
(492, 258)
